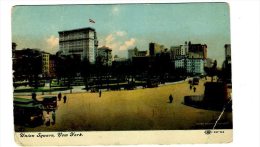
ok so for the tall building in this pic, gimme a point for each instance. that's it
(136, 53)
(105, 55)
(197, 51)
(14, 45)
(155, 49)
(180, 51)
(173, 51)
(80, 42)
(228, 53)
(194, 66)
(226, 67)
(45, 64)
(179, 63)
(48, 64)
(132, 53)
(52, 66)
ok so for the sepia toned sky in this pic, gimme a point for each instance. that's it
(125, 26)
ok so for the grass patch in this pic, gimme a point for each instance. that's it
(41, 89)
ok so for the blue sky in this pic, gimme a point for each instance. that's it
(125, 26)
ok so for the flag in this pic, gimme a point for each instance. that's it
(92, 21)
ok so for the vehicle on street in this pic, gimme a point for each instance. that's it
(195, 81)
(49, 102)
(27, 112)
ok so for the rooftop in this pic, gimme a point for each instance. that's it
(104, 48)
(79, 29)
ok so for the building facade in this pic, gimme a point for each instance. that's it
(80, 42)
(193, 66)
(119, 59)
(179, 52)
(155, 49)
(179, 63)
(52, 66)
(132, 53)
(173, 51)
(48, 65)
(136, 53)
(14, 45)
(228, 53)
(197, 51)
(45, 64)
(105, 55)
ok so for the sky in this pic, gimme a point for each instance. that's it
(125, 26)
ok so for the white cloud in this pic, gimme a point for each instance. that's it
(118, 41)
(121, 33)
(127, 44)
(110, 38)
(52, 44)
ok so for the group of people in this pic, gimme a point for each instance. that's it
(64, 98)
(59, 97)
(50, 120)
(50, 116)
(194, 88)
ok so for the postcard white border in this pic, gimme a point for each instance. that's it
(245, 60)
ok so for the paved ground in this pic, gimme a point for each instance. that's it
(141, 109)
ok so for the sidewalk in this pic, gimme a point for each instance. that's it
(79, 89)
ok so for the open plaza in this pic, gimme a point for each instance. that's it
(139, 109)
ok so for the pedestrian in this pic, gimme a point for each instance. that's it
(171, 98)
(64, 99)
(53, 115)
(100, 93)
(190, 86)
(194, 89)
(59, 96)
(47, 119)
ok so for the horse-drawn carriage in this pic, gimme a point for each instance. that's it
(49, 102)
(29, 112)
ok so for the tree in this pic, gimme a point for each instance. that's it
(212, 71)
(226, 71)
(67, 68)
(86, 72)
(28, 66)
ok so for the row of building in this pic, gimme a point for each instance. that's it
(83, 43)
(189, 57)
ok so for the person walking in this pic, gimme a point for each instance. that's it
(194, 89)
(64, 99)
(59, 96)
(53, 116)
(100, 93)
(190, 87)
(171, 98)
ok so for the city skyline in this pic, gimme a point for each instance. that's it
(125, 26)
